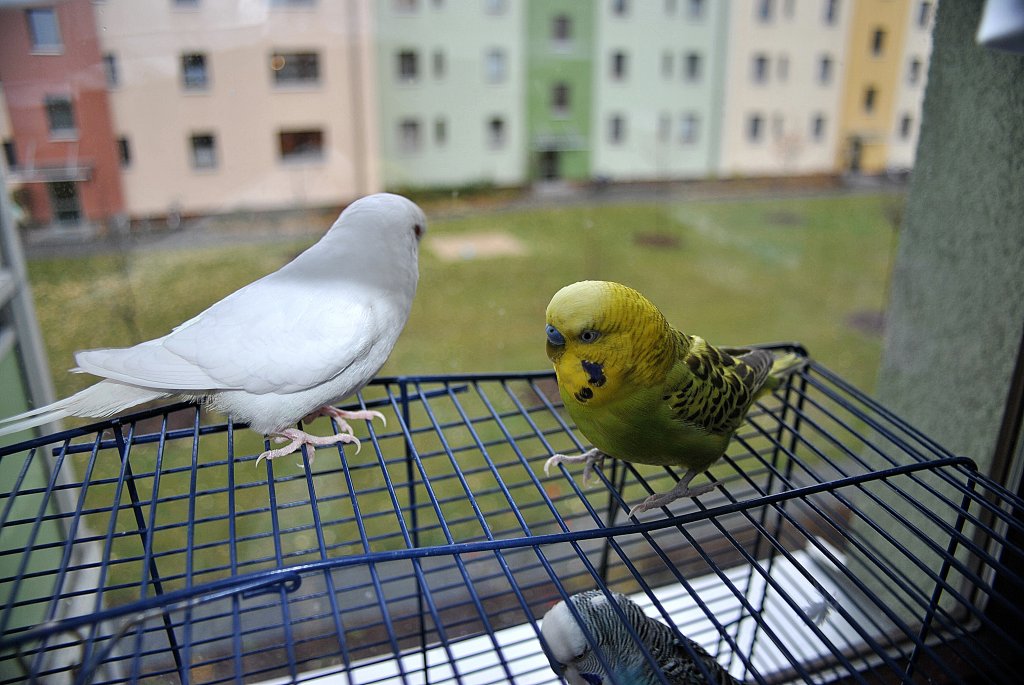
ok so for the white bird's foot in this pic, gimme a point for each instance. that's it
(590, 458)
(299, 438)
(340, 416)
(681, 489)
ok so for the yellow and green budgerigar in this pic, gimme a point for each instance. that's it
(642, 391)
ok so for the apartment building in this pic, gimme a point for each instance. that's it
(559, 91)
(658, 74)
(911, 81)
(222, 106)
(58, 140)
(783, 86)
(450, 80)
(874, 67)
(167, 107)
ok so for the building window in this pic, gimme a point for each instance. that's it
(43, 30)
(695, 9)
(878, 42)
(831, 12)
(818, 127)
(616, 129)
(496, 133)
(64, 201)
(924, 14)
(782, 67)
(406, 6)
(495, 66)
(110, 70)
(440, 131)
(914, 72)
(295, 68)
(561, 31)
(765, 9)
(870, 96)
(620, 8)
(664, 127)
(495, 6)
(11, 154)
(778, 126)
(759, 72)
(693, 67)
(124, 152)
(204, 151)
(440, 65)
(788, 8)
(755, 128)
(60, 115)
(618, 65)
(408, 67)
(301, 146)
(560, 99)
(688, 128)
(186, 4)
(193, 71)
(409, 136)
(825, 70)
(906, 126)
(293, 3)
(667, 58)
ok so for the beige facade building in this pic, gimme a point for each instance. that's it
(233, 106)
(783, 86)
(911, 82)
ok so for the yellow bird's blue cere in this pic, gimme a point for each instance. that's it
(642, 391)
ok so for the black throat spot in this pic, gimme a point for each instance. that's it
(595, 373)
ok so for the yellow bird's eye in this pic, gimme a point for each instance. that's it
(589, 335)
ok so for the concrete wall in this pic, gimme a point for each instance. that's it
(957, 306)
(956, 313)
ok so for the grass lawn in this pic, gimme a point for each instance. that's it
(736, 272)
(733, 272)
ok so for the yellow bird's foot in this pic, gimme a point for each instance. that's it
(682, 489)
(590, 458)
(299, 438)
(340, 416)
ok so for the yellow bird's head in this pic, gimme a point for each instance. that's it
(603, 335)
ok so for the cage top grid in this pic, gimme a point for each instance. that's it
(840, 543)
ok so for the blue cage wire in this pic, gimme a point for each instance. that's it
(841, 545)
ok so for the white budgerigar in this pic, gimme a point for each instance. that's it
(285, 347)
(573, 658)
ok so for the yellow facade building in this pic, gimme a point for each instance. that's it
(876, 75)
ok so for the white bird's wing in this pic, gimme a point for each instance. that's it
(279, 335)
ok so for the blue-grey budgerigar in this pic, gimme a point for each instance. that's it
(572, 657)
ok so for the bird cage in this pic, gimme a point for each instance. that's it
(839, 545)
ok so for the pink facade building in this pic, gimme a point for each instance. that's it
(60, 148)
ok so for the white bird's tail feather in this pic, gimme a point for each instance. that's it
(97, 401)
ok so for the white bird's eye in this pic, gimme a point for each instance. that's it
(589, 335)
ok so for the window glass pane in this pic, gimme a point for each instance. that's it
(193, 71)
(42, 25)
(301, 145)
(295, 67)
